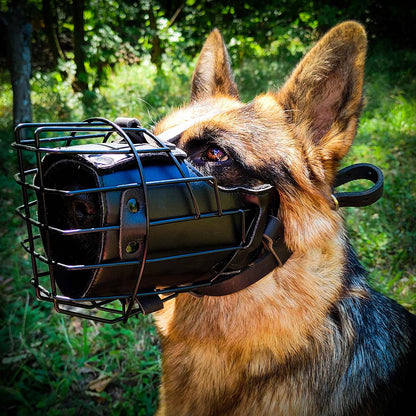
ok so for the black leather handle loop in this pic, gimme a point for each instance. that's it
(361, 198)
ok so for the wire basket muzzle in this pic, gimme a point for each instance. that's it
(100, 213)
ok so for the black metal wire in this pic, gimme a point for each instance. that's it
(98, 129)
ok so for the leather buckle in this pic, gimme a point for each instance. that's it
(336, 203)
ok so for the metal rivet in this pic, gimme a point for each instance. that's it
(132, 205)
(132, 247)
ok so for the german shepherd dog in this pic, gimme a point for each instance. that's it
(310, 338)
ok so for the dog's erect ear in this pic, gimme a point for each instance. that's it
(322, 101)
(213, 74)
(323, 96)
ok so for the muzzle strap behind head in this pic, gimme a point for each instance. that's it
(277, 253)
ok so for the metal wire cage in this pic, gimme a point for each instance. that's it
(139, 261)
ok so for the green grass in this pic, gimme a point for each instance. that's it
(385, 233)
(49, 361)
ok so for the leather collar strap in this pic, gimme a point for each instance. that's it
(273, 239)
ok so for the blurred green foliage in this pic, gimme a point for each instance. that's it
(121, 31)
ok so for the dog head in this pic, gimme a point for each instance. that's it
(293, 138)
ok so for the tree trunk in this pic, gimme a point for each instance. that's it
(19, 36)
(50, 20)
(156, 52)
(81, 78)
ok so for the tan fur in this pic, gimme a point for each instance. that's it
(212, 345)
(213, 64)
(218, 352)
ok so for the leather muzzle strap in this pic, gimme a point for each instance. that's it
(251, 274)
(277, 253)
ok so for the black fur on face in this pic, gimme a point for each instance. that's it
(230, 169)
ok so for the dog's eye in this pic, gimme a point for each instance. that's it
(214, 154)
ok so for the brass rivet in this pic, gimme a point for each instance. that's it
(132, 205)
(132, 247)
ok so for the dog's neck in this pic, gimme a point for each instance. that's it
(266, 313)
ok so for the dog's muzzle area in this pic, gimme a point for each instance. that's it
(117, 215)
